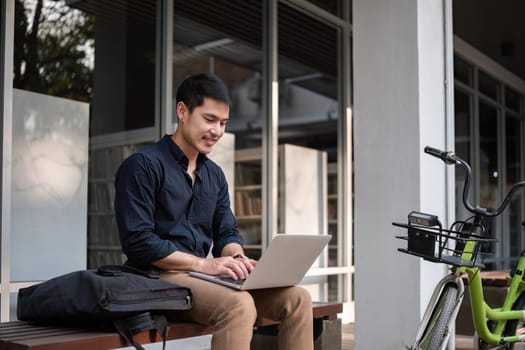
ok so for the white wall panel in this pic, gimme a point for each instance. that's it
(49, 186)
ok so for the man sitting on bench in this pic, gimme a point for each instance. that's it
(172, 205)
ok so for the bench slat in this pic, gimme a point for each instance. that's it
(51, 338)
(18, 335)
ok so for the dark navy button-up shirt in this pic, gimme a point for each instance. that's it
(158, 211)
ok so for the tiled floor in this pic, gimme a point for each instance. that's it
(462, 342)
(348, 336)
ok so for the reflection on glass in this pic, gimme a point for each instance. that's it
(53, 49)
(125, 76)
(208, 39)
(308, 114)
(225, 38)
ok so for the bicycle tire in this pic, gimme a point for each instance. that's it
(510, 328)
(437, 330)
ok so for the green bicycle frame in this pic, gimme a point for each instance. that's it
(490, 323)
(481, 311)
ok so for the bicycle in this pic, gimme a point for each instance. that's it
(462, 247)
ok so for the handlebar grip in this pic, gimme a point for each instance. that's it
(435, 152)
(448, 157)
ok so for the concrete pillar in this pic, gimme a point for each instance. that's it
(400, 106)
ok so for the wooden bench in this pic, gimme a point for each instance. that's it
(18, 335)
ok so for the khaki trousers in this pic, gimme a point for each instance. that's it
(232, 313)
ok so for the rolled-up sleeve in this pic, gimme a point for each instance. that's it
(136, 184)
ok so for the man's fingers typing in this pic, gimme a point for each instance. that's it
(228, 267)
(239, 268)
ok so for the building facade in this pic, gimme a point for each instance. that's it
(357, 88)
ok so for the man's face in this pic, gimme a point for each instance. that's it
(204, 126)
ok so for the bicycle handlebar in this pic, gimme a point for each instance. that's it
(450, 158)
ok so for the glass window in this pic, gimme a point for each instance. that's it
(103, 54)
(52, 84)
(513, 100)
(53, 68)
(308, 118)
(463, 139)
(513, 175)
(462, 71)
(494, 152)
(53, 49)
(488, 85)
(333, 6)
(489, 171)
(124, 81)
(225, 38)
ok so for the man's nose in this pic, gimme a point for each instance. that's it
(217, 129)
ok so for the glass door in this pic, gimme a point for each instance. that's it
(489, 135)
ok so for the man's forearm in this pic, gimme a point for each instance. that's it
(179, 261)
(226, 265)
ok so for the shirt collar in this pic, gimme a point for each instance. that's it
(179, 155)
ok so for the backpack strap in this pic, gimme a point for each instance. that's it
(129, 326)
(162, 327)
(125, 332)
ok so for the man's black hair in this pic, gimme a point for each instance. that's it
(195, 88)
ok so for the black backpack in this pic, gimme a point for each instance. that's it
(115, 296)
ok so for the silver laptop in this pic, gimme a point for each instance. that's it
(283, 264)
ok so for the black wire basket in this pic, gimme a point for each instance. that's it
(447, 246)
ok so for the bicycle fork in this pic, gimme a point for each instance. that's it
(425, 326)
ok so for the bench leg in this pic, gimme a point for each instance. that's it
(264, 338)
(328, 334)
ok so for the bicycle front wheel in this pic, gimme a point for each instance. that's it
(437, 330)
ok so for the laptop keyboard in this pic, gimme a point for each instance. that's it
(231, 280)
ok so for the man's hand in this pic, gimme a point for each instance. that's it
(231, 264)
(226, 266)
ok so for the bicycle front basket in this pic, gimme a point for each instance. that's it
(434, 244)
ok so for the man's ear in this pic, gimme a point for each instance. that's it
(182, 111)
